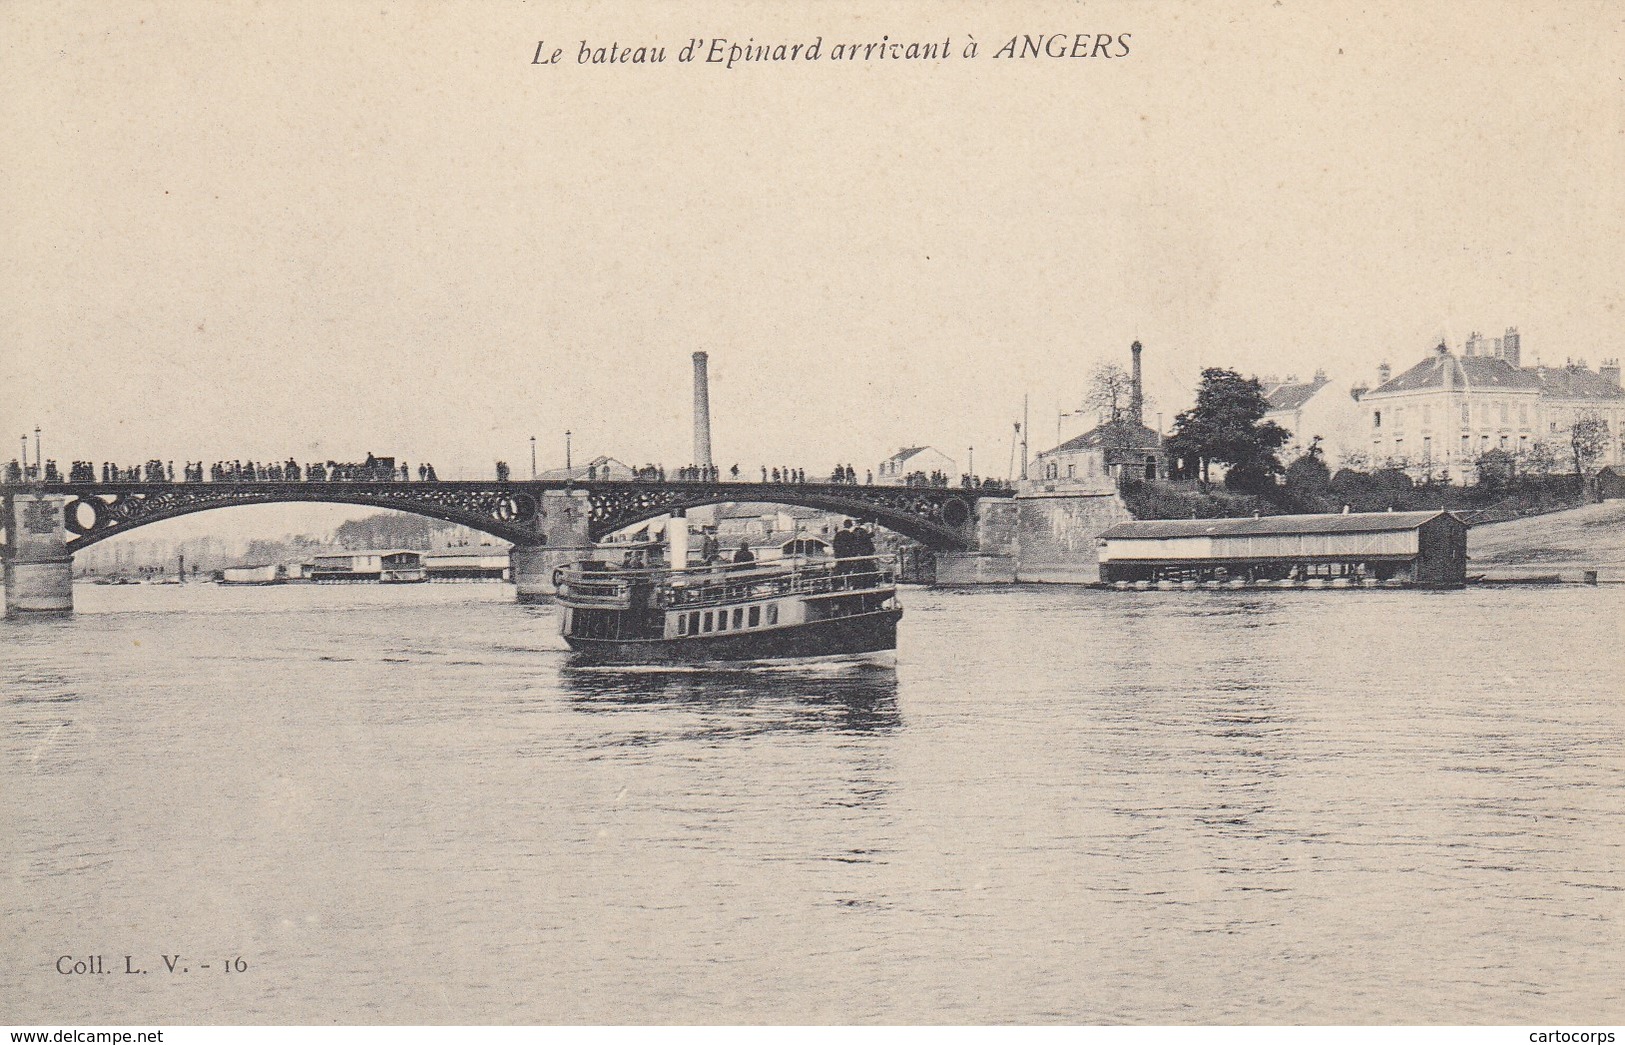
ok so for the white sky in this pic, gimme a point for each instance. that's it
(256, 230)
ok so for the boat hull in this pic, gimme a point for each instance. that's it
(840, 636)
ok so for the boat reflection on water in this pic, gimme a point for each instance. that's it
(857, 697)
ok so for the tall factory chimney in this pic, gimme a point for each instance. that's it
(1136, 400)
(702, 412)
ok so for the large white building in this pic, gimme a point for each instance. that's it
(1438, 417)
(1324, 407)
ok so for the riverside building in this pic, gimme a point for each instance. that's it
(1436, 419)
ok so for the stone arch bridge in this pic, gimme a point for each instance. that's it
(549, 522)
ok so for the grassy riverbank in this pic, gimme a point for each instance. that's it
(1563, 544)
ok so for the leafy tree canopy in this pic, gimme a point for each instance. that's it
(1227, 425)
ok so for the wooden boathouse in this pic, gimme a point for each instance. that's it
(1420, 549)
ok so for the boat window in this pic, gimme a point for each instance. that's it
(707, 620)
(694, 623)
(682, 624)
(722, 620)
(772, 613)
(739, 617)
(755, 616)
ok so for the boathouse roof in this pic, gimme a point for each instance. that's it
(1355, 522)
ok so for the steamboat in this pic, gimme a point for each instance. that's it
(796, 608)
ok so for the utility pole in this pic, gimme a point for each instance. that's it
(567, 465)
(1026, 428)
(971, 469)
(533, 457)
(39, 462)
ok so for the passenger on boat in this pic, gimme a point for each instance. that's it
(744, 553)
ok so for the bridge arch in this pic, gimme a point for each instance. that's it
(943, 520)
(93, 514)
(534, 513)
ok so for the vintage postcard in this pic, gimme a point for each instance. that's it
(812, 513)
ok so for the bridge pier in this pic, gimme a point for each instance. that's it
(563, 521)
(39, 567)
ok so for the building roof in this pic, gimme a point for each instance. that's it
(1135, 436)
(1292, 396)
(580, 470)
(1355, 522)
(902, 456)
(1447, 370)
(1576, 382)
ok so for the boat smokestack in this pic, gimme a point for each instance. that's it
(1136, 401)
(702, 411)
(677, 541)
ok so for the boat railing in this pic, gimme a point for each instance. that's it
(607, 585)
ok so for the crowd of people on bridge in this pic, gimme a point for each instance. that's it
(941, 480)
(19, 472)
(373, 469)
(384, 469)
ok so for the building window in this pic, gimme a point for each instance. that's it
(1466, 414)
(1427, 448)
(1466, 445)
(1504, 440)
(1376, 419)
(1427, 413)
(1523, 413)
(1503, 413)
(1071, 471)
(755, 616)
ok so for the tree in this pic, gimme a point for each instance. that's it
(1495, 468)
(1540, 458)
(1109, 390)
(1309, 481)
(1309, 474)
(1355, 460)
(1588, 438)
(1227, 425)
(1360, 491)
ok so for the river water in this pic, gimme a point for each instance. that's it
(403, 805)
